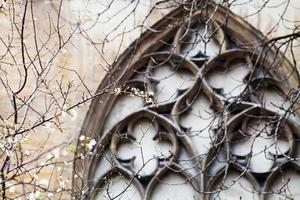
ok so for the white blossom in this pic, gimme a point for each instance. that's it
(55, 152)
(18, 138)
(91, 144)
(49, 156)
(73, 114)
(4, 4)
(81, 156)
(34, 195)
(63, 113)
(37, 194)
(151, 93)
(26, 152)
(117, 91)
(49, 126)
(44, 182)
(42, 163)
(65, 153)
(31, 196)
(8, 152)
(62, 184)
(82, 137)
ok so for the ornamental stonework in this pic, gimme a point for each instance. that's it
(201, 109)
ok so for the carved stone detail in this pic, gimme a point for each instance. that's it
(218, 121)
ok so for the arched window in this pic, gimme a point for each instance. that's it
(200, 107)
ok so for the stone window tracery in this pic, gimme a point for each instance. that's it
(201, 119)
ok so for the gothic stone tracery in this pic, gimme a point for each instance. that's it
(200, 115)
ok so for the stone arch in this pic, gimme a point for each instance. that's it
(193, 107)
